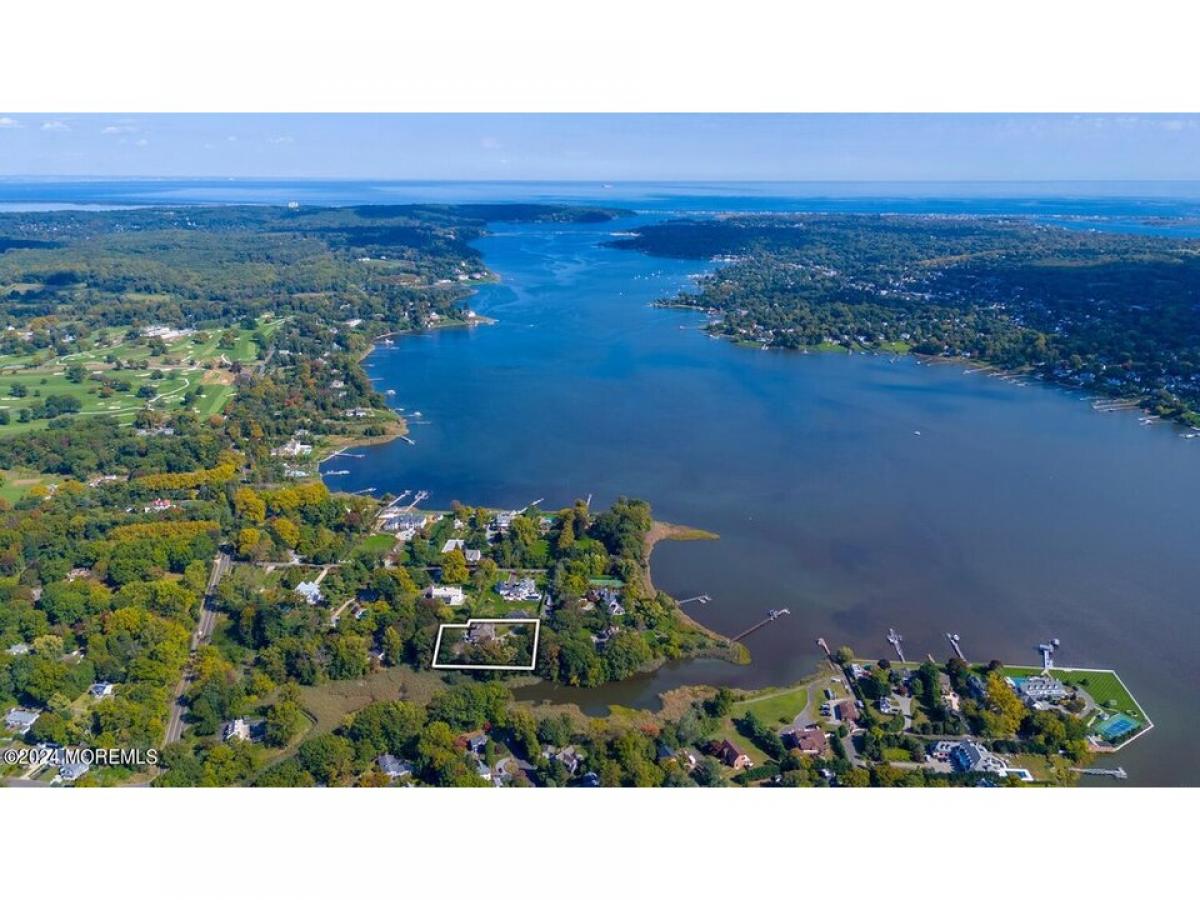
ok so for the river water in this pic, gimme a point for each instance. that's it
(1016, 514)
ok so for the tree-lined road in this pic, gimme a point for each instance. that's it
(201, 636)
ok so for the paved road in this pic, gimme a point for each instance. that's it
(201, 636)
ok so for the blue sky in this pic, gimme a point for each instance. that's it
(605, 147)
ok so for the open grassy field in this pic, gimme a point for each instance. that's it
(331, 702)
(775, 708)
(375, 543)
(17, 484)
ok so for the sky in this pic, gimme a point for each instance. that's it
(651, 147)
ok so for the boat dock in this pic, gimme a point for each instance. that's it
(1119, 773)
(772, 615)
(894, 639)
(1047, 650)
(699, 598)
(954, 639)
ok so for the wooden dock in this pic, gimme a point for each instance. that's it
(1118, 773)
(771, 617)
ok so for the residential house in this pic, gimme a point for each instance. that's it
(159, 504)
(809, 740)
(846, 711)
(568, 756)
(473, 557)
(20, 720)
(517, 590)
(450, 594)
(1042, 689)
(73, 771)
(310, 591)
(476, 742)
(292, 449)
(610, 599)
(452, 545)
(18, 649)
(976, 687)
(101, 689)
(969, 756)
(237, 730)
(731, 755)
(480, 632)
(393, 767)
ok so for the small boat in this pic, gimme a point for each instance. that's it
(917, 433)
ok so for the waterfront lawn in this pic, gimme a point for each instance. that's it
(776, 709)
(1104, 687)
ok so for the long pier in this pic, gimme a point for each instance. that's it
(699, 598)
(771, 617)
(1119, 773)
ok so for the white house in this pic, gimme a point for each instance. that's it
(237, 730)
(20, 720)
(452, 545)
(292, 449)
(73, 771)
(393, 767)
(310, 591)
(450, 594)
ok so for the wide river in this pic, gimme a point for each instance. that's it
(862, 492)
(1016, 515)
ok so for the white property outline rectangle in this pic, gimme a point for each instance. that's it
(537, 628)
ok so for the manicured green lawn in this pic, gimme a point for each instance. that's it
(1103, 687)
(775, 708)
(375, 543)
(214, 399)
(40, 384)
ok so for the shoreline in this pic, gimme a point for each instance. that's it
(397, 427)
(668, 531)
(1020, 377)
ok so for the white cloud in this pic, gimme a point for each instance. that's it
(141, 142)
(118, 129)
(490, 143)
(232, 139)
(55, 125)
(285, 139)
(6, 122)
